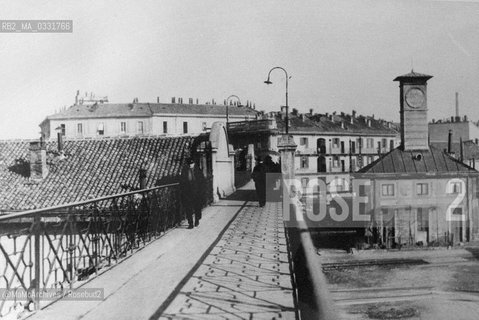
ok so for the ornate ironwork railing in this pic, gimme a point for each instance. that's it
(60, 247)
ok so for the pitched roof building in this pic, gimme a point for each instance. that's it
(85, 169)
(419, 193)
(103, 119)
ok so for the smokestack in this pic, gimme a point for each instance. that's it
(461, 150)
(38, 160)
(457, 105)
(449, 142)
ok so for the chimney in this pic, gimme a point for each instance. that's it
(197, 101)
(38, 160)
(173, 100)
(461, 150)
(190, 100)
(311, 112)
(60, 142)
(457, 105)
(157, 99)
(142, 173)
(449, 142)
(465, 118)
(77, 96)
(354, 113)
(452, 119)
(295, 111)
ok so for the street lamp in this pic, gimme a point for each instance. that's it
(227, 102)
(268, 81)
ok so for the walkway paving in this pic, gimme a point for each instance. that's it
(246, 275)
(233, 266)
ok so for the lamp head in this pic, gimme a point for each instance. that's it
(268, 81)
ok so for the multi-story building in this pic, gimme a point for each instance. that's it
(332, 145)
(95, 118)
(419, 193)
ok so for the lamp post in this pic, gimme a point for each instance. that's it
(268, 81)
(227, 103)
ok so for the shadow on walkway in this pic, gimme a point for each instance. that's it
(243, 195)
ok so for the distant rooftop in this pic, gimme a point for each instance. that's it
(104, 110)
(338, 124)
(433, 160)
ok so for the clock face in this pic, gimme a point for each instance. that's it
(415, 98)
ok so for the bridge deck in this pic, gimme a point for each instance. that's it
(233, 266)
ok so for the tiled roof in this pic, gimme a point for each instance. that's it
(91, 169)
(413, 75)
(341, 125)
(433, 160)
(104, 110)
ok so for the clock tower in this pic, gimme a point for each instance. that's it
(413, 110)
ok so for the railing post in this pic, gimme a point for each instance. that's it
(36, 228)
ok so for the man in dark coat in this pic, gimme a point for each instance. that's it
(192, 192)
(259, 177)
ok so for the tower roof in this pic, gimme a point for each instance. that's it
(413, 76)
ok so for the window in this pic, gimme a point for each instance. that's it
(165, 126)
(388, 190)
(63, 129)
(384, 143)
(304, 182)
(391, 144)
(140, 127)
(303, 142)
(304, 162)
(122, 127)
(335, 161)
(422, 189)
(100, 129)
(454, 187)
(203, 126)
(370, 143)
(79, 129)
(360, 144)
(185, 127)
(422, 219)
(336, 143)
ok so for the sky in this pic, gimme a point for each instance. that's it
(340, 55)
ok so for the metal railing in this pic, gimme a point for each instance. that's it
(58, 248)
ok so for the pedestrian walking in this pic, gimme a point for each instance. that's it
(192, 187)
(259, 178)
